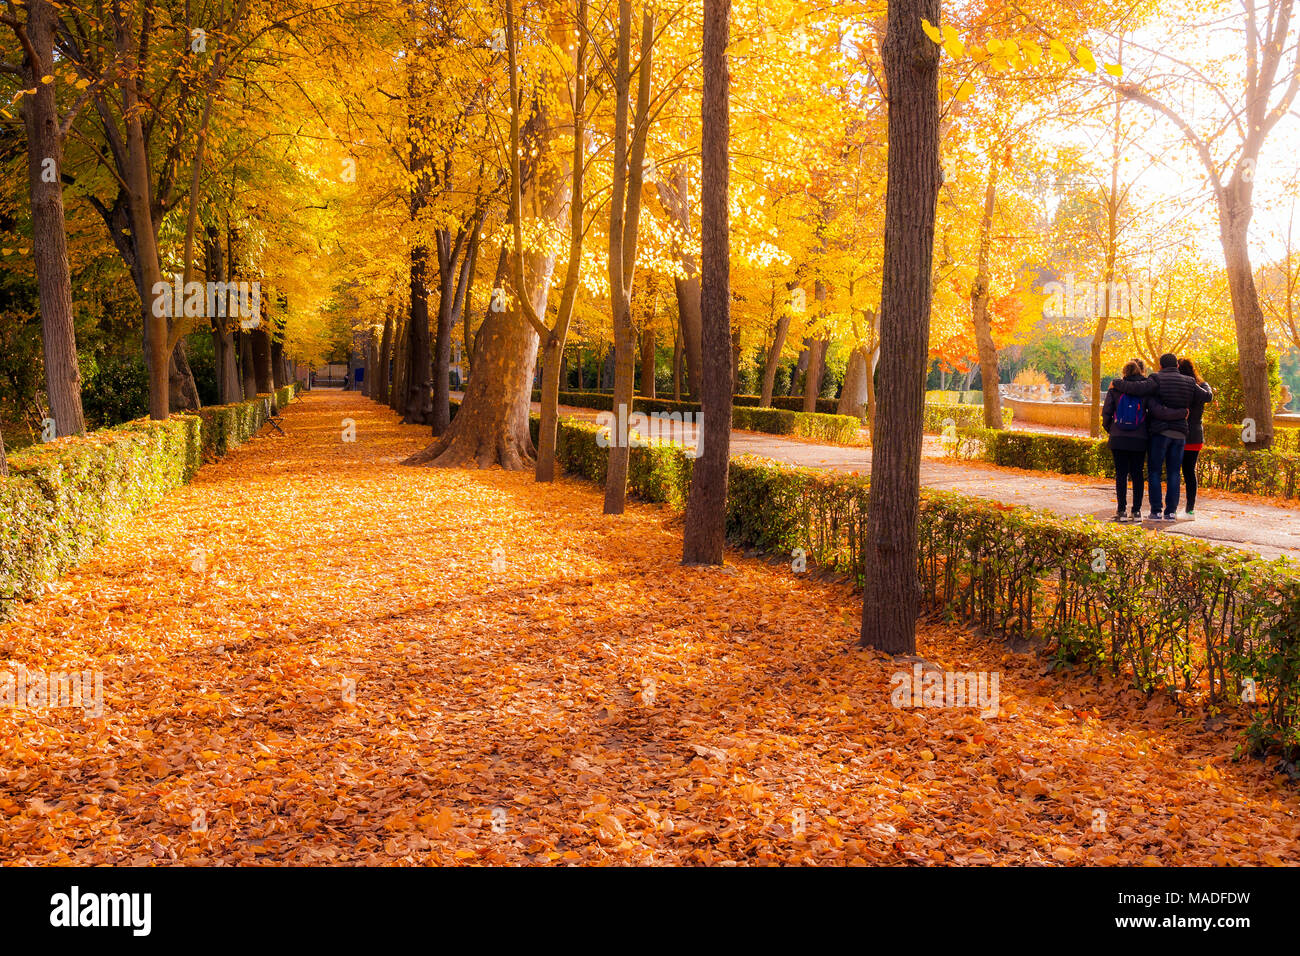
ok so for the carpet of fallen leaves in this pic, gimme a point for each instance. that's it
(327, 657)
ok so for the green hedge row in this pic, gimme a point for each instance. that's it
(830, 428)
(963, 416)
(790, 403)
(63, 498)
(1285, 440)
(1267, 473)
(1206, 623)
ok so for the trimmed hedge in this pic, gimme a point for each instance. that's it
(1199, 621)
(963, 416)
(63, 498)
(1285, 440)
(830, 428)
(1267, 473)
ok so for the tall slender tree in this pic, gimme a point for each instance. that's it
(704, 539)
(891, 594)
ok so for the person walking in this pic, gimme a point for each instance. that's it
(1128, 420)
(1195, 433)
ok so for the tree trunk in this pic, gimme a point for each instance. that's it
(813, 380)
(277, 364)
(774, 355)
(647, 362)
(675, 196)
(735, 361)
(144, 236)
(397, 398)
(262, 360)
(1252, 337)
(182, 392)
(891, 594)
(979, 301)
(4, 461)
(704, 538)
(248, 378)
(625, 217)
(419, 398)
(854, 395)
(491, 427)
(53, 277)
(801, 365)
(380, 394)
(448, 260)
(677, 368)
(223, 337)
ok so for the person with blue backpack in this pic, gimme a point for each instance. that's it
(1128, 420)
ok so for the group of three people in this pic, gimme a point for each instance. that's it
(1155, 429)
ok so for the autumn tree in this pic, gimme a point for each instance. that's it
(891, 597)
(704, 539)
(1252, 101)
(45, 138)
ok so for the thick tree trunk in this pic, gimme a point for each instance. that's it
(53, 277)
(491, 427)
(891, 594)
(704, 538)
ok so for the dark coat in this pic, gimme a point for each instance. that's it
(1175, 391)
(1123, 439)
(1195, 430)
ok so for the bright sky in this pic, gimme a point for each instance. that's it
(1184, 40)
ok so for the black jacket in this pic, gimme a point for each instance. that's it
(1157, 413)
(1195, 430)
(1175, 390)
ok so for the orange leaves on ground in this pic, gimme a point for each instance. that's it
(420, 666)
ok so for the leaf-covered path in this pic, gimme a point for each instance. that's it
(314, 654)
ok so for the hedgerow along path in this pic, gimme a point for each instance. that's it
(1235, 521)
(380, 664)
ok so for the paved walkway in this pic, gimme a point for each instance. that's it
(1255, 526)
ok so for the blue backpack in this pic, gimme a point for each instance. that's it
(1130, 413)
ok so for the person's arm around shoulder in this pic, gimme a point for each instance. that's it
(1206, 391)
(1164, 412)
(1141, 387)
